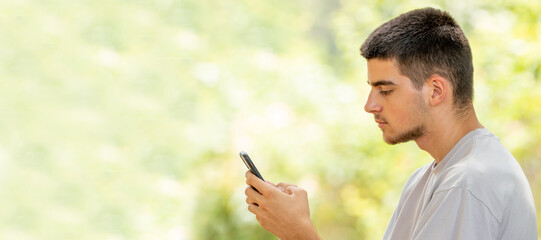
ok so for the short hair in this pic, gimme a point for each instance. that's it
(424, 42)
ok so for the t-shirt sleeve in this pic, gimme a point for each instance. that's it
(456, 214)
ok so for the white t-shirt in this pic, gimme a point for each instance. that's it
(478, 191)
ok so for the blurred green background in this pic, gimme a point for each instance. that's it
(124, 119)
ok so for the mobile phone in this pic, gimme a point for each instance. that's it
(250, 165)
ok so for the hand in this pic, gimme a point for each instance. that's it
(284, 187)
(283, 213)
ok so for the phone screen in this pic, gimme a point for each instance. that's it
(249, 164)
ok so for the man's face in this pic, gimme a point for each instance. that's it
(398, 108)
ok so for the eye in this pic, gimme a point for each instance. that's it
(385, 92)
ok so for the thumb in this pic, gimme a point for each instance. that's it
(294, 190)
(270, 183)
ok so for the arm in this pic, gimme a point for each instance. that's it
(284, 213)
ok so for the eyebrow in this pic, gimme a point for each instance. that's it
(381, 82)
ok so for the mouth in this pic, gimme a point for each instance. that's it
(381, 123)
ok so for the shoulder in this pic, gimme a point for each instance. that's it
(481, 162)
(490, 166)
(487, 171)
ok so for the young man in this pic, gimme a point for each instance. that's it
(421, 77)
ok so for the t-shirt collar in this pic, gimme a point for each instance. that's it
(436, 168)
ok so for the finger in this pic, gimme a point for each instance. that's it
(251, 201)
(289, 190)
(283, 186)
(246, 174)
(294, 190)
(259, 184)
(253, 195)
(253, 209)
(268, 182)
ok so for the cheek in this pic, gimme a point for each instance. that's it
(404, 114)
(403, 117)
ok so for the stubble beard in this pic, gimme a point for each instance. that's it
(407, 136)
(414, 132)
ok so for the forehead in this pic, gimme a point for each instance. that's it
(385, 70)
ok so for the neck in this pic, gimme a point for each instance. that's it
(444, 133)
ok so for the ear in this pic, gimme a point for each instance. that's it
(438, 87)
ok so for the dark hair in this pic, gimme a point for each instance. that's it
(424, 42)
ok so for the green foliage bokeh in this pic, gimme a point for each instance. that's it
(124, 119)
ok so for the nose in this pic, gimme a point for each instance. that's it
(372, 106)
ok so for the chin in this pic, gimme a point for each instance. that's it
(389, 140)
(393, 140)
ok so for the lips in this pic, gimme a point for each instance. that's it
(380, 123)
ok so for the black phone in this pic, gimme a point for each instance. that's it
(249, 164)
